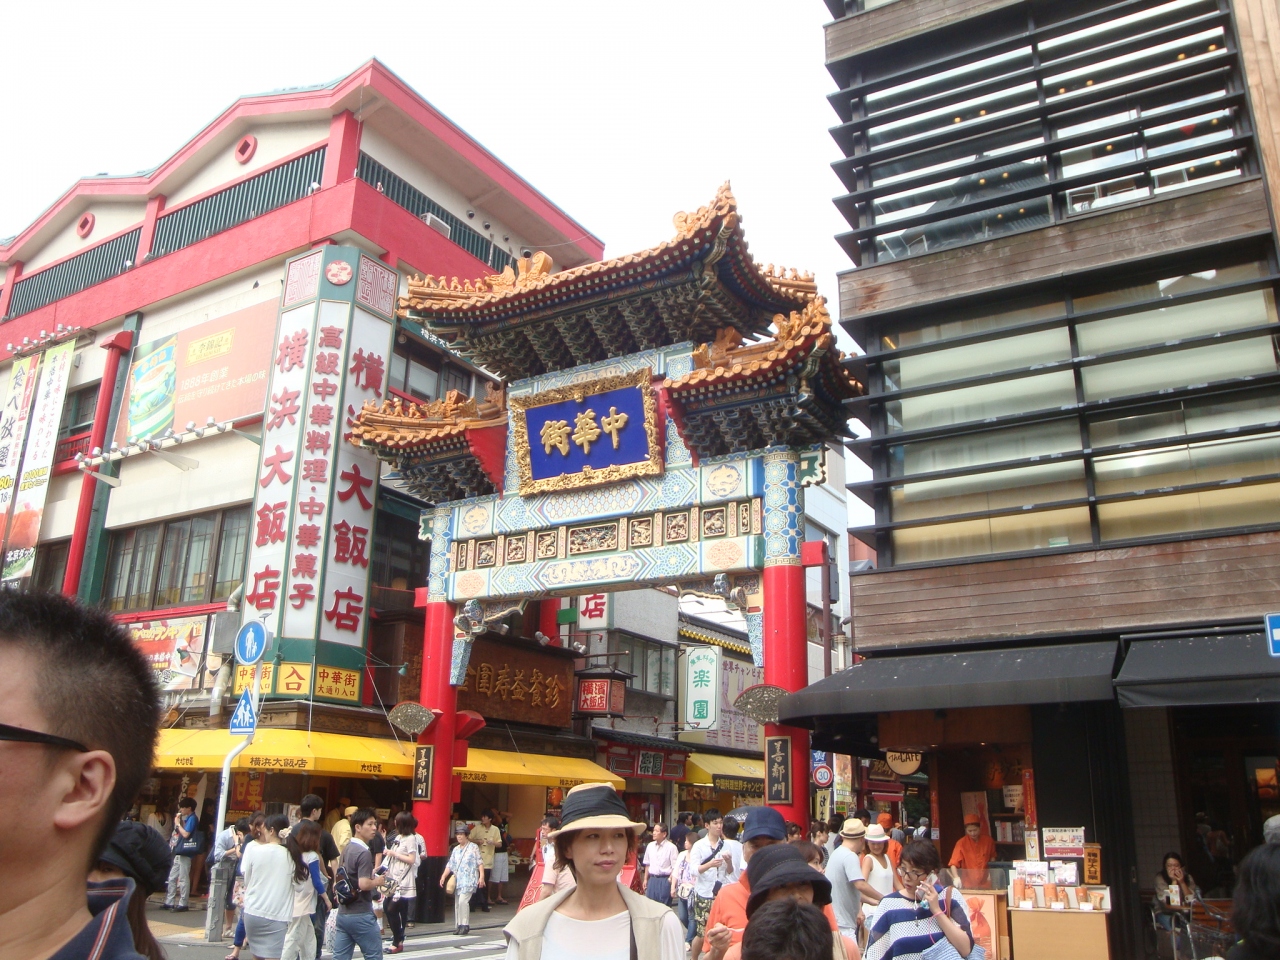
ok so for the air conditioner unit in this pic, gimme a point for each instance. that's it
(438, 225)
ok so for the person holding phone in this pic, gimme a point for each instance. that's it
(910, 921)
(712, 867)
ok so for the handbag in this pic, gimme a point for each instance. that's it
(944, 949)
(451, 885)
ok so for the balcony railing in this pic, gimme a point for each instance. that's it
(402, 193)
(96, 264)
(231, 207)
(68, 447)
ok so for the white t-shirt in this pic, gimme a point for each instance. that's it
(704, 884)
(609, 939)
(268, 881)
(734, 849)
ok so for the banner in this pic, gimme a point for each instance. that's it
(37, 463)
(13, 428)
(216, 369)
(702, 687)
(174, 648)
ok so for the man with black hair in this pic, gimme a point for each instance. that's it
(79, 713)
(356, 923)
(787, 930)
(184, 827)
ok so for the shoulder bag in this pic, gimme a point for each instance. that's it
(943, 949)
(707, 859)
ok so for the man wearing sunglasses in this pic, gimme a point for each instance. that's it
(79, 713)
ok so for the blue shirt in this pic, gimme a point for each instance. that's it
(107, 936)
(901, 928)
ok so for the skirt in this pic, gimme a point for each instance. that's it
(501, 868)
(265, 938)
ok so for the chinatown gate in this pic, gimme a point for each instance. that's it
(654, 431)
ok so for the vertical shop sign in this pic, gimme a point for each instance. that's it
(702, 687)
(422, 766)
(316, 496)
(13, 428)
(777, 770)
(595, 612)
(37, 463)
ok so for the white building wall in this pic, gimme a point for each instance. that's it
(275, 141)
(110, 218)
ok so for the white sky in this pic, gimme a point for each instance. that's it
(621, 113)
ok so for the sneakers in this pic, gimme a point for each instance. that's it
(180, 909)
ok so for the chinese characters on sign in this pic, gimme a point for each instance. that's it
(517, 684)
(338, 684)
(13, 428)
(175, 650)
(777, 769)
(37, 463)
(423, 759)
(595, 612)
(593, 696)
(702, 687)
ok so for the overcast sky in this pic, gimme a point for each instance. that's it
(621, 113)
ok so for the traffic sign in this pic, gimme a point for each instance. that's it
(823, 775)
(1273, 634)
(251, 643)
(245, 718)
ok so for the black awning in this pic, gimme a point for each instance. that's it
(977, 678)
(1203, 670)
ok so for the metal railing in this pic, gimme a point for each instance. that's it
(96, 264)
(402, 193)
(228, 208)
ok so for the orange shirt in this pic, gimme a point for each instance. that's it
(895, 852)
(730, 908)
(970, 854)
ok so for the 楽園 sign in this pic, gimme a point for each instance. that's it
(702, 687)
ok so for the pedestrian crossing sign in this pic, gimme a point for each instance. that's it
(245, 718)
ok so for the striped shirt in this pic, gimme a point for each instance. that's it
(902, 929)
(107, 936)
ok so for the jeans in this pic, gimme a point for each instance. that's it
(398, 913)
(318, 918)
(179, 882)
(692, 920)
(300, 939)
(357, 929)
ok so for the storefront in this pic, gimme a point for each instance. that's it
(652, 768)
(1029, 742)
(721, 782)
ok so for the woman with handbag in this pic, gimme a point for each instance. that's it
(462, 876)
(924, 921)
(269, 873)
(599, 919)
(404, 853)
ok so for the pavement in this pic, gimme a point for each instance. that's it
(182, 935)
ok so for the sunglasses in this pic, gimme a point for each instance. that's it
(23, 735)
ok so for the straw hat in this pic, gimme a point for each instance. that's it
(853, 828)
(594, 805)
(876, 834)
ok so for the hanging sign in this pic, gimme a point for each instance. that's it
(423, 760)
(13, 427)
(903, 762)
(702, 687)
(777, 770)
(37, 463)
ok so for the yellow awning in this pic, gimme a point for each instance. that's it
(286, 751)
(712, 769)
(500, 766)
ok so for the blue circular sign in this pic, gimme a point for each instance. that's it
(251, 643)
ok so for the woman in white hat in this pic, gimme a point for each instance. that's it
(877, 868)
(599, 919)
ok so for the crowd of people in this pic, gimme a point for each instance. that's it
(75, 753)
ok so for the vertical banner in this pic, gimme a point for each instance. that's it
(777, 770)
(316, 496)
(13, 429)
(702, 687)
(37, 463)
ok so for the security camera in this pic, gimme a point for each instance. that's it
(526, 253)
(487, 225)
(471, 214)
(506, 238)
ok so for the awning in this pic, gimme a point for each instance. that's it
(286, 751)
(1202, 670)
(731, 774)
(534, 769)
(976, 678)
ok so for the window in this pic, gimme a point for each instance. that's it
(1158, 416)
(181, 562)
(77, 412)
(653, 663)
(399, 558)
(50, 566)
(425, 374)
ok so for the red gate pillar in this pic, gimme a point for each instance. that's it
(785, 622)
(437, 693)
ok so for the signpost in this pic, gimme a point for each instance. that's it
(251, 644)
(1273, 634)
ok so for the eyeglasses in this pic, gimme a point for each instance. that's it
(23, 735)
(907, 874)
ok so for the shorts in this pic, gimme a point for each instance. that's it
(701, 910)
(501, 868)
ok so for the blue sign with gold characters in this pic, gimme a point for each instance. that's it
(586, 434)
